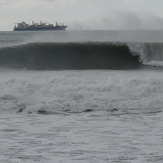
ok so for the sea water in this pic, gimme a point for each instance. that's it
(81, 96)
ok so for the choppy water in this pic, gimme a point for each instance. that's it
(99, 114)
(85, 137)
(81, 116)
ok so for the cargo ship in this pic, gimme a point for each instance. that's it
(23, 26)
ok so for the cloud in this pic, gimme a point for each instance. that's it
(3, 2)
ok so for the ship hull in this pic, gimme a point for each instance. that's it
(40, 28)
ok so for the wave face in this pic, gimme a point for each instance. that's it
(81, 49)
(88, 55)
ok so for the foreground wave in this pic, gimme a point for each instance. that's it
(66, 92)
(88, 55)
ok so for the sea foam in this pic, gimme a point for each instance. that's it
(78, 91)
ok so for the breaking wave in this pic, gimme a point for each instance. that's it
(87, 55)
(82, 55)
(55, 92)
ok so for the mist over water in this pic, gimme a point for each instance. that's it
(120, 21)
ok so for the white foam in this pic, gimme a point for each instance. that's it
(76, 91)
(150, 53)
(155, 63)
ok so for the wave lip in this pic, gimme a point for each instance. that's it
(87, 55)
(150, 53)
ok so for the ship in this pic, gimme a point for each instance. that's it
(23, 26)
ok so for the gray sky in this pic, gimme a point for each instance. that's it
(84, 14)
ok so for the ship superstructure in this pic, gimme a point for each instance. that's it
(23, 26)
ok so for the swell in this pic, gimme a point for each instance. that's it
(90, 55)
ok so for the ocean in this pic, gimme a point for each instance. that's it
(81, 96)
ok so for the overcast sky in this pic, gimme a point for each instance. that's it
(84, 14)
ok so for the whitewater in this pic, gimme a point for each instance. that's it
(81, 96)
